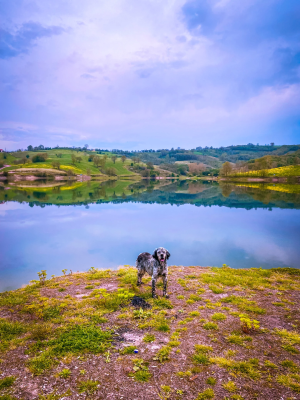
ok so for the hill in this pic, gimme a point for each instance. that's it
(222, 334)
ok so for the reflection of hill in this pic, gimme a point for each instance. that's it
(176, 193)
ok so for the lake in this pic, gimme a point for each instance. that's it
(77, 226)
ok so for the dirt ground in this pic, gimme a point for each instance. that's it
(203, 309)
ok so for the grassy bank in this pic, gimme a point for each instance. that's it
(288, 171)
(222, 334)
(64, 157)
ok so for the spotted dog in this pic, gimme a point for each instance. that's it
(155, 265)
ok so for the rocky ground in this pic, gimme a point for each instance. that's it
(222, 334)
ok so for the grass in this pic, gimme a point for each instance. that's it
(291, 381)
(290, 170)
(206, 395)
(163, 354)
(248, 369)
(230, 386)
(7, 382)
(88, 386)
(218, 317)
(148, 338)
(128, 350)
(210, 326)
(66, 162)
(200, 356)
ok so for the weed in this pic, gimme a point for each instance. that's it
(200, 356)
(148, 338)
(7, 382)
(61, 289)
(194, 313)
(162, 303)
(237, 397)
(230, 353)
(9, 330)
(245, 368)
(244, 304)
(237, 338)
(141, 371)
(180, 297)
(291, 349)
(89, 287)
(173, 343)
(185, 374)
(211, 381)
(290, 365)
(210, 326)
(87, 386)
(65, 373)
(98, 319)
(41, 332)
(290, 337)
(218, 317)
(11, 299)
(206, 395)
(195, 297)
(269, 364)
(292, 381)
(128, 350)
(230, 386)
(111, 301)
(163, 354)
(44, 361)
(216, 289)
(141, 314)
(248, 324)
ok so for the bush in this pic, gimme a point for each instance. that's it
(41, 157)
(7, 382)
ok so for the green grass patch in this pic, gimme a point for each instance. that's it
(148, 338)
(128, 350)
(206, 395)
(248, 369)
(244, 304)
(291, 381)
(88, 386)
(218, 317)
(210, 326)
(7, 382)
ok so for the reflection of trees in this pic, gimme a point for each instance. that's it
(56, 190)
(40, 195)
(226, 189)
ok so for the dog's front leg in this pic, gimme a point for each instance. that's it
(154, 279)
(165, 282)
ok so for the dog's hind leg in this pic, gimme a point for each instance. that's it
(141, 273)
(165, 282)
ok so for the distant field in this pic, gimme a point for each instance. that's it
(66, 162)
(291, 170)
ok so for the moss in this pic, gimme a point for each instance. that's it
(163, 354)
(245, 368)
(185, 374)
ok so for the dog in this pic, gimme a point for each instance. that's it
(155, 265)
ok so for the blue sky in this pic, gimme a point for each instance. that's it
(149, 74)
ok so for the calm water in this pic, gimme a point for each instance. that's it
(105, 225)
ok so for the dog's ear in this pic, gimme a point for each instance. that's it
(154, 255)
(168, 255)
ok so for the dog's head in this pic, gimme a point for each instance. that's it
(161, 255)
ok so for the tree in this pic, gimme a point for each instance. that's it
(97, 161)
(56, 164)
(78, 159)
(226, 169)
(91, 157)
(73, 157)
(30, 148)
(88, 171)
(114, 159)
(27, 155)
(86, 146)
(111, 171)
(149, 165)
(123, 158)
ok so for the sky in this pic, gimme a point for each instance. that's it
(149, 74)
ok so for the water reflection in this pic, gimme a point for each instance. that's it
(114, 221)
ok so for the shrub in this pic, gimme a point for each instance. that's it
(41, 332)
(9, 329)
(237, 338)
(41, 157)
(290, 364)
(141, 371)
(142, 376)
